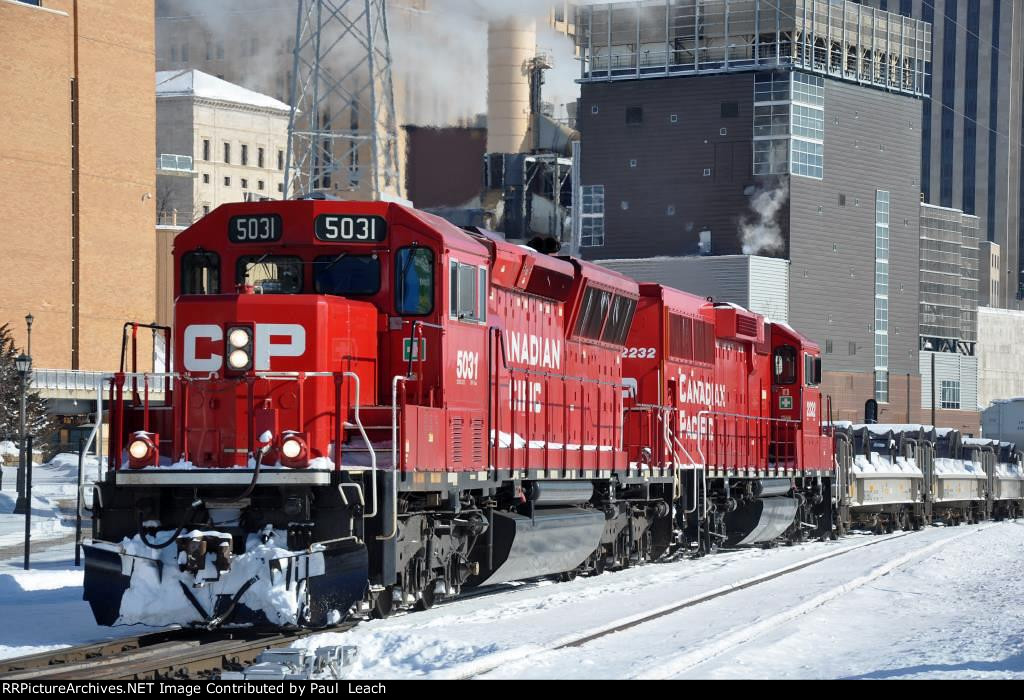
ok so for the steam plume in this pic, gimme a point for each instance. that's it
(759, 230)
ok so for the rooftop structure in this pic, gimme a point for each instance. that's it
(842, 39)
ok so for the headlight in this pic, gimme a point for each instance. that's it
(238, 337)
(238, 359)
(143, 451)
(291, 448)
(139, 449)
(294, 451)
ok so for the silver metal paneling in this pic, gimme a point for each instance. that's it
(952, 367)
(757, 283)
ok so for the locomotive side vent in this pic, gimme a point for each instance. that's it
(746, 325)
(457, 440)
(478, 441)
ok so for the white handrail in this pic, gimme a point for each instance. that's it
(394, 456)
(369, 446)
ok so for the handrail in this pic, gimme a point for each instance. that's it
(675, 441)
(394, 456)
(369, 446)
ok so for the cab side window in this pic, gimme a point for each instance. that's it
(784, 365)
(467, 292)
(812, 370)
(200, 272)
(414, 281)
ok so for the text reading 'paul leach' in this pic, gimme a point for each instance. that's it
(294, 689)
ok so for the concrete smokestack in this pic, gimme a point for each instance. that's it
(511, 43)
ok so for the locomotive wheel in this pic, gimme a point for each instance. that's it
(426, 600)
(383, 604)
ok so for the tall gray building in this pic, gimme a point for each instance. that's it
(776, 128)
(971, 150)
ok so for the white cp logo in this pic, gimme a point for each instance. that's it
(267, 343)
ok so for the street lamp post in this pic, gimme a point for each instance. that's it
(23, 363)
(29, 318)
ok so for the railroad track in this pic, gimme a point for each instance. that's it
(177, 655)
(730, 640)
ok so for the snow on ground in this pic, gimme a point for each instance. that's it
(42, 608)
(54, 493)
(954, 593)
(944, 602)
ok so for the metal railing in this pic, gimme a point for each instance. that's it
(78, 380)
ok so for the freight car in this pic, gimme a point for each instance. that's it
(367, 407)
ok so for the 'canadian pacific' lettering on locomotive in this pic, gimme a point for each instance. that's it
(525, 395)
(699, 395)
(530, 349)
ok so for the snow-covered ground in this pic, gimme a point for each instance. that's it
(54, 487)
(946, 602)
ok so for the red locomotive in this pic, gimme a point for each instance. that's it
(369, 406)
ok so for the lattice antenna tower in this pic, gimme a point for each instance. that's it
(342, 129)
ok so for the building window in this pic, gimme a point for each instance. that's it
(882, 386)
(220, 49)
(674, 118)
(206, 209)
(259, 157)
(206, 178)
(634, 115)
(707, 172)
(881, 296)
(227, 182)
(245, 154)
(771, 120)
(809, 89)
(206, 149)
(789, 124)
(280, 187)
(592, 216)
(949, 396)
(593, 109)
(771, 157)
(280, 160)
(227, 152)
(808, 159)
(259, 185)
(245, 183)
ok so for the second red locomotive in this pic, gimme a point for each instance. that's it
(370, 406)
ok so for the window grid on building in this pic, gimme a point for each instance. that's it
(881, 296)
(949, 396)
(789, 124)
(592, 216)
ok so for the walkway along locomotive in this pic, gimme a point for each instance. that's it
(369, 406)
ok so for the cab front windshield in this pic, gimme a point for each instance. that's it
(270, 274)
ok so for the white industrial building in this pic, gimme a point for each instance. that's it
(217, 142)
(1000, 354)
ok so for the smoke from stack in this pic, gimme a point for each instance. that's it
(438, 48)
(760, 231)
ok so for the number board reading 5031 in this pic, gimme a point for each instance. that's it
(256, 228)
(348, 228)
